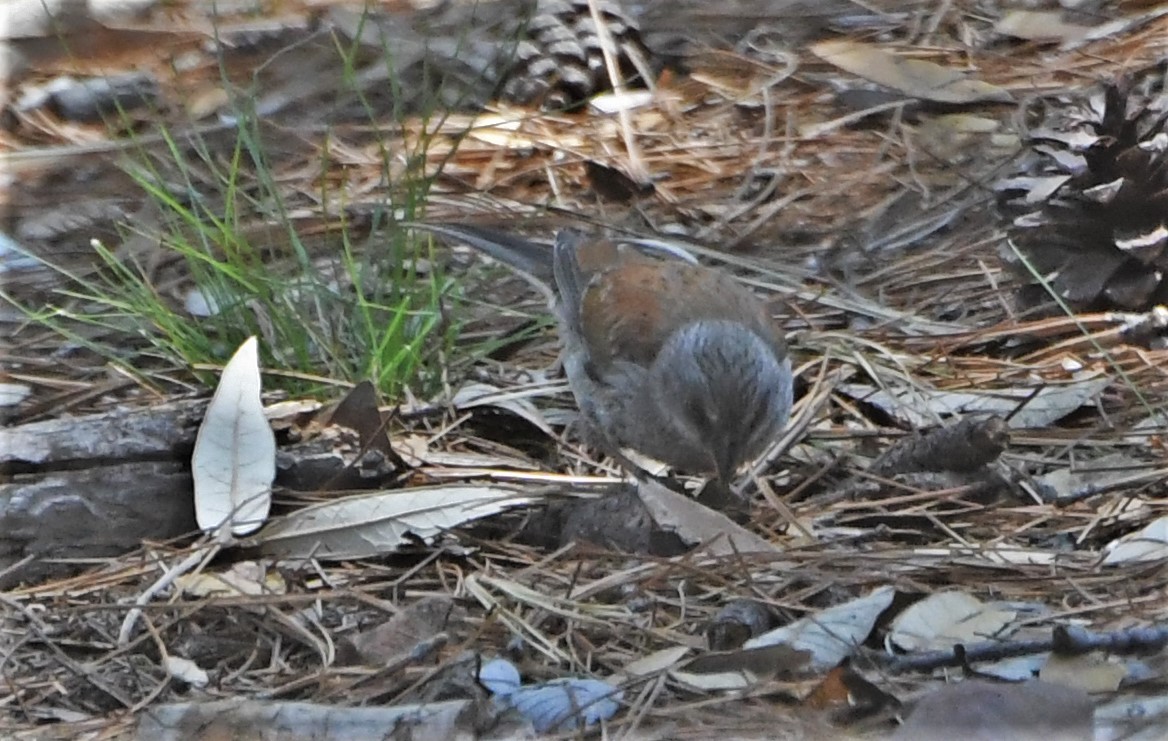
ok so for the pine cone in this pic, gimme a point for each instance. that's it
(560, 63)
(1090, 211)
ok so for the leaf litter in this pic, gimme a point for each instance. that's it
(785, 186)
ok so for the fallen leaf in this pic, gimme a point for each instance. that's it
(728, 681)
(554, 706)
(833, 634)
(915, 77)
(945, 619)
(234, 461)
(360, 410)
(397, 637)
(199, 304)
(186, 671)
(742, 668)
(246, 578)
(656, 662)
(919, 406)
(846, 689)
(1017, 669)
(1088, 672)
(383, 522)
(12, 394)
(482, 395)
(1097, 475)
(1149, 544)
(610, 103)
(500, 677)
(566, 704)
(1039, 25)
(983, 711)
(696, 523)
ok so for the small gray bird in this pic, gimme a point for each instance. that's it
(672, 359)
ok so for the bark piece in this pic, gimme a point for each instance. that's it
(90, 513)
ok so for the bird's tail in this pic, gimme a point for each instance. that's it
(532, 259)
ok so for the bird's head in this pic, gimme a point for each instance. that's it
(727, 390)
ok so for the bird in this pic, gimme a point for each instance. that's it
(675, 360)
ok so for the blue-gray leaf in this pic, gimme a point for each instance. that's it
(560, 705)
(500, 677)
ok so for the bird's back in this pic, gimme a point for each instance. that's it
(625, 304)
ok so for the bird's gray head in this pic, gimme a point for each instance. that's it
(726, 389)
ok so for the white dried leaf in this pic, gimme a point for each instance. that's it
(12, 394)
(945, 619)
(243, 579)
(234, 462)
(833, 634)
(374, 524)
(484, 395)
(185, 670)
(920, 406)
(656, 662)
(728, 681)
(626, 101)
(1097, 475)
(198, 304)
(1149, 544)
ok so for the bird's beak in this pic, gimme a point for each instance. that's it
(724, 466)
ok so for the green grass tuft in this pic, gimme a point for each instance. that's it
(334, 291)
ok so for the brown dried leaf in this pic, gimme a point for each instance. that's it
(1004, 712)
(1088, 672)
(394, 639)
(1039, 25)
(915, 77)
(743, 668)
(696, 523)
